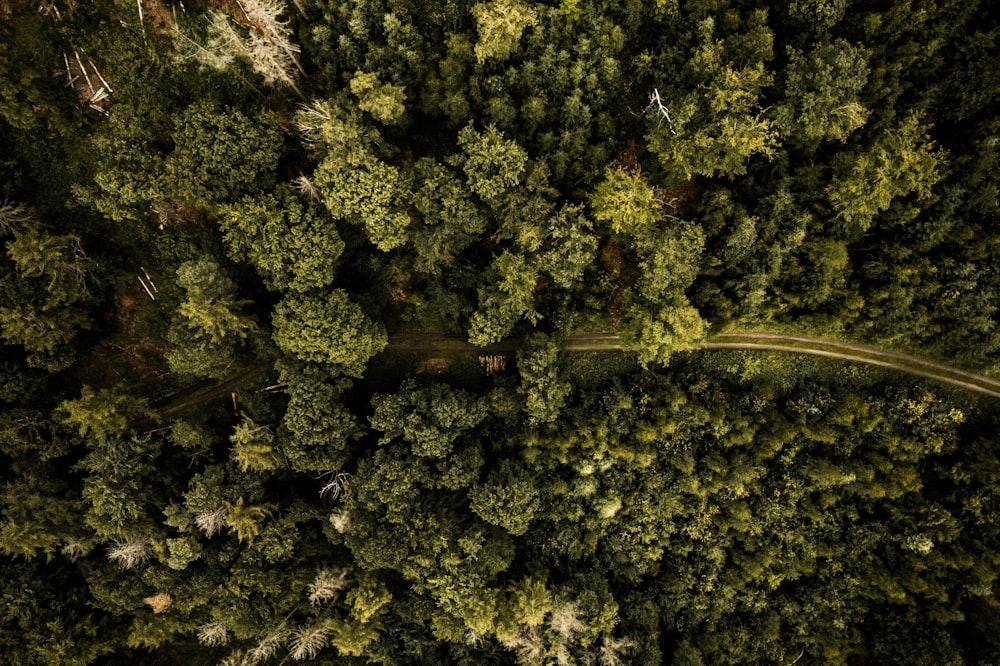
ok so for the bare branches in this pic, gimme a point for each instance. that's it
(310, 121)
(130, 553)
(258, 35)
(213, 634)
(327, 585)
(142, 25)
(87, 94)
(14, 217)
(340, 520)
(308, 640)
(307, 188)
(660, 110)
(336, 483)
(211, 522)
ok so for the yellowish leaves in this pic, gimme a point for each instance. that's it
(500, 24)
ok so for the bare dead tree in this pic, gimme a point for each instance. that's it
(660, 109)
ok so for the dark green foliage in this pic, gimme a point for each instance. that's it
(291, 244)
(242, 421)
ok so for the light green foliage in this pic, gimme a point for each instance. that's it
(530, 601)
(902, 161)
(351, 637)
(220, 155)
(327, 328)
(354, 183)
(293, 245)
(384, 101)
(507, 298)
(246, 520)
(100, 414)
(368, 599)
(626, 202)
(500, 24)
(253, 447)
(508, 499)
(182, 552)
(336, 128)
(823, 93)
(656, 336)
(210, 306)
(492, 163)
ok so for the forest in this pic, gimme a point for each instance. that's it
(404, 332)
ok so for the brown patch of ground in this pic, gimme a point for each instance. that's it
(433, 366)
(611, 257)
(678, 196)
(629, 159)
(399, 292)
(157, 16)
(170, 213)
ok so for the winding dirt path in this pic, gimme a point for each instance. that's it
(909, 364)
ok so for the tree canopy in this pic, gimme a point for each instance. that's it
(384, 332)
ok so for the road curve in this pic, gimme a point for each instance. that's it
(883, 354)
(586, 342)
(943, 377)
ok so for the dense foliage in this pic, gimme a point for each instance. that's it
(217, 217)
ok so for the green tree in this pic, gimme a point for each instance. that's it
(320, 426)
(47, 336)
(59, 263)
(508, 499)
(626, 202)
(823, 94)
(431, 419)
(450, 220)
(98, 415)
(718, 123)
(327, 328)
(500, 24)
(507, 298)
(220, 155)
(384, 101)
(655, 335)
(544, 391)
(293, 245)
(209, 329)
(901, 162)
(569, 247)
(492, 163)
